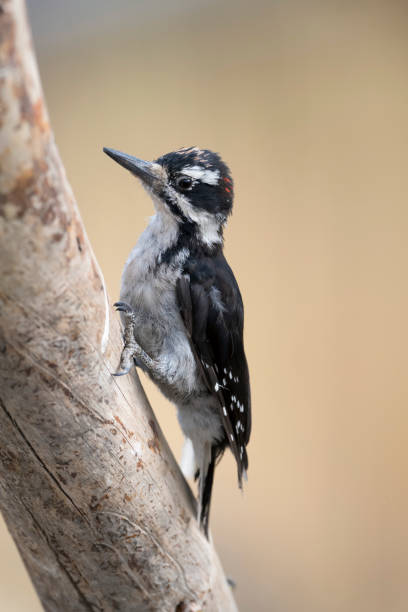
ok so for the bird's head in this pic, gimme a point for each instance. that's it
(192, 185)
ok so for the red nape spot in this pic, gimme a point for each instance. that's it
(226, 189)
(227, 180)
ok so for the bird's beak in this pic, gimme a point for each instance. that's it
(150, 173)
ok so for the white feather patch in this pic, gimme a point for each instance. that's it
(188, 463)
(208, 224)
(211, 177)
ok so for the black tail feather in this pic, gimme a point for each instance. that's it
(206, 500)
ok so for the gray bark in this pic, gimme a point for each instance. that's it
(89, 489)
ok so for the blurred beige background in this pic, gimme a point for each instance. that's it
(308, 103)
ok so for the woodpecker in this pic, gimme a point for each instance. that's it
(182, 310)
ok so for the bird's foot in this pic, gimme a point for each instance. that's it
(127, 310)
(132, 351)
(131, 347)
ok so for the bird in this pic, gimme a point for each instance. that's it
(182, 310)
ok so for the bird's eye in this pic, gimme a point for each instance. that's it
(184, 182)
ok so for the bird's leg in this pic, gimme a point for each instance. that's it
(132, 350)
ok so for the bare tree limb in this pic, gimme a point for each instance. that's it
(90, 491)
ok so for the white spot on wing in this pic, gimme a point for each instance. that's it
(215, 295)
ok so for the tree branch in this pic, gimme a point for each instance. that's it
(89, 489)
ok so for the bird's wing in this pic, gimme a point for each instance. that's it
(211, 307)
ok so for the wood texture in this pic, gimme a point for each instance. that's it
(95, 502)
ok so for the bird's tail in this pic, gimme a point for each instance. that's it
(205, 489)
(200, 462)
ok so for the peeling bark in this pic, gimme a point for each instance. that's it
(89, 489)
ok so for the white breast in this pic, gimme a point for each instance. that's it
(149, 288)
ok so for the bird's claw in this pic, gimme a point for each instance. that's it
(128, 313)
(126, 359)
(123, 307)
(121, 372)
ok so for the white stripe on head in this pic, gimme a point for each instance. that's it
(208, 224)
(211, 177)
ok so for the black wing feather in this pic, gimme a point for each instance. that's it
(211, 307)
